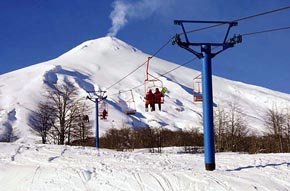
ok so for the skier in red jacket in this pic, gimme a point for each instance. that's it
(149, 100)
(158, 97)
(104, 114)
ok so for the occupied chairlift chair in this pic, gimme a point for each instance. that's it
(103, 109)
(197, 89)
(151, 82)
(131, 106)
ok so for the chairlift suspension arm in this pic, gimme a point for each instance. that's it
(132, 96)
(147, 68)
(153, 78)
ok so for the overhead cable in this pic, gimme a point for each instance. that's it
(240, 19)
(163, 75)
(200, 29)
(267, 31)
(153, 55)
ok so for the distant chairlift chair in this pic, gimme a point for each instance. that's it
(103, 109)
(197, 89)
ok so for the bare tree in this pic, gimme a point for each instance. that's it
(220, 124)
(157, 139)
(42, 120)
(82, 131)
(274, 121)
(230, 128)
(287, 129)
(60, 118)
(63, 100)
(69, 113)
(236, 129)
(84, 126)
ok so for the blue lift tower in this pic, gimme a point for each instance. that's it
(206, 54)
(96, 97)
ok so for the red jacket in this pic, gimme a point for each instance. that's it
(158, 96)
(149, 97)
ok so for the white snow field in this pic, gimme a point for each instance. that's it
(30, 167)
(99, 63)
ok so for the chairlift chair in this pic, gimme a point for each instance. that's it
(197, 89)
(103, 106)
(151, 82)
(131, 106)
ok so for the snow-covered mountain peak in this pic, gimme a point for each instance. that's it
(103, 44)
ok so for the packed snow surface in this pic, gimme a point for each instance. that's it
(29, 167)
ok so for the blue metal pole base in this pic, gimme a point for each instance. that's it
(210, 167)
(97, 124)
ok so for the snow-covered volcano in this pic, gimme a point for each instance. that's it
(97, 64)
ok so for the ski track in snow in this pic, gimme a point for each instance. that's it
(51, 167)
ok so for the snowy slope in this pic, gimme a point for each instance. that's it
(26, 167)
(99, 63)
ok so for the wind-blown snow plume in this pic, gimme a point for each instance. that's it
(125, 10)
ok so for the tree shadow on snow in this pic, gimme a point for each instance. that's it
(6, 132)
(136, 120)
(260, 166)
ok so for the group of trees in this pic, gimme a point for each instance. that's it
(231, 135)
(277, 121)
(232, 132)
(153, 138)
(61, 117)
(230, 129)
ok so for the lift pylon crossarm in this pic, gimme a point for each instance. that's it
(179, 22)
(187, 43)
(227, 43)
(185, 46)
(93, 95)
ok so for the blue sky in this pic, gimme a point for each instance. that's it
(34, 31)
